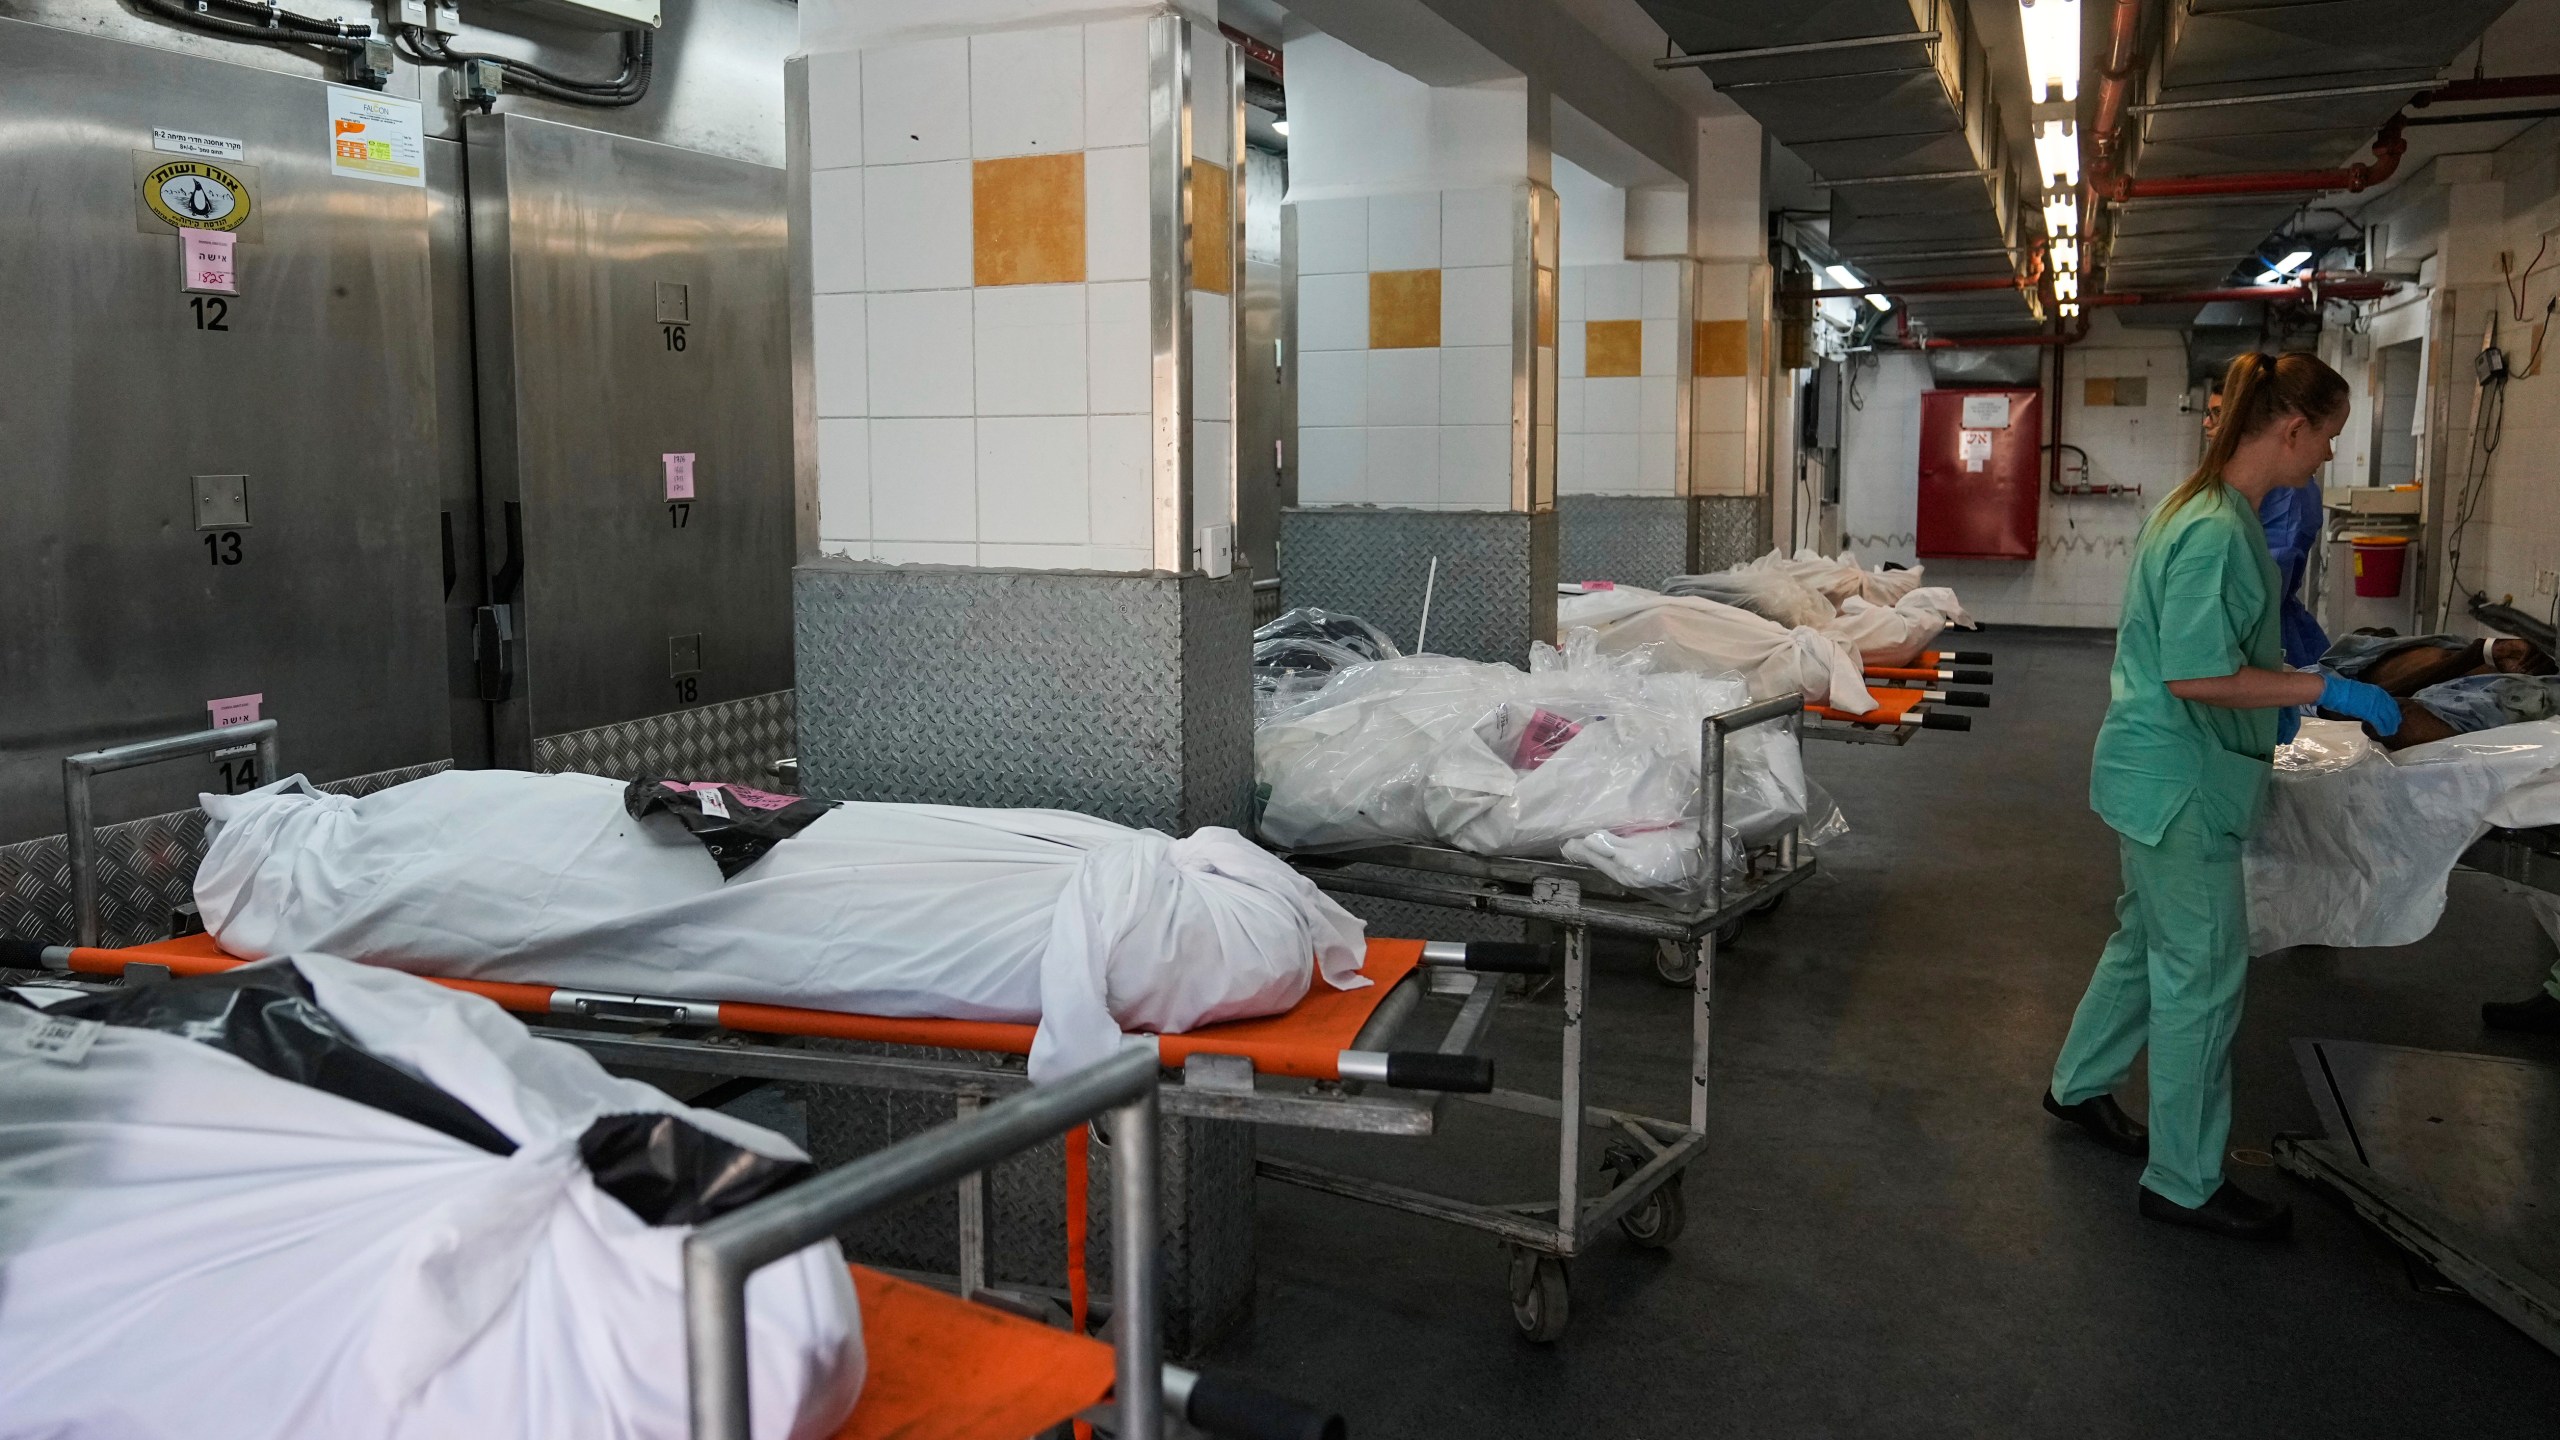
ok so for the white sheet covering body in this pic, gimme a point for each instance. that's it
(1584, 757)
(1707, 637)
(2356, 843)
(1078, 924)
(195, 1249)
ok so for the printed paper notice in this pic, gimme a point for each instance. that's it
(234, 710)
(377, 137)
(202, 147)
(1975, 447)
(207, 255)
(1986, 412)
(679, 475)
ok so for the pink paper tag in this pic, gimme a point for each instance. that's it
(751, 798)
(234, 710)
(679, 475)
(1544, 736)
(207, 256)
(1590, 585)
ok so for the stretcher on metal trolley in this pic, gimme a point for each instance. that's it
(1332, 1062)
(1914, 699)
(1648, 1154)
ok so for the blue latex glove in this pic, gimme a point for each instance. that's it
(2288, 723)
(2368, 703)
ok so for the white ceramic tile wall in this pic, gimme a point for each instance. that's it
(1618, 435)
(1419, 427)
(998, 425)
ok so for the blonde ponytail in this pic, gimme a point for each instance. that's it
(2258, 391)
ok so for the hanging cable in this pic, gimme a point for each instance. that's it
(368, 59)
(639, 51)
(2488, 427)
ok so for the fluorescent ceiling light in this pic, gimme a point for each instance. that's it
(1847, 279)
(2066, 285)
(1279, 127)
(2058, 154)
(2053, 47)
(2067, 309)
(2061, 216)
(2285, 267)
(2066, 254)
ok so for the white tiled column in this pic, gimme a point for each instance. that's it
(1021, 250)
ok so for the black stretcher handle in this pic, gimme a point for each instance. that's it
(1452, 1074)
(1934, 720)
(1234, 1410)
(21, 954)
(1510, 957)
(1970, 677)
(1965, 657)
(1967, 700)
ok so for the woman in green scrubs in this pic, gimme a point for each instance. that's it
(2199, 693)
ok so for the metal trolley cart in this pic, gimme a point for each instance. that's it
(1645, 1161)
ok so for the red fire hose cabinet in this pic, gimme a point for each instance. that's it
(1981, 483)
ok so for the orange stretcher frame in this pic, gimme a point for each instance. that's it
(1304, 1042)
(1891, 706)
(942, 1368)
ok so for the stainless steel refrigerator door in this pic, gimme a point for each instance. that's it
(140, 425)
(635, 424)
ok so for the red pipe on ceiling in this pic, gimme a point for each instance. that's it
(2349, 288)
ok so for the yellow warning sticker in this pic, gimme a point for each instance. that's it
(197, 195)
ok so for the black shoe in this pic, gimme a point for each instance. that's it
(2106, 1123)
(2232, 1211)
(2537, 1016)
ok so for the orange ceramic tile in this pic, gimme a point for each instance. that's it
(1612, 348)
(1213, 240)
(1029, 219)
(1404, 309)
(1722, 348)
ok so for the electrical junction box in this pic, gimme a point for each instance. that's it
(592, 14)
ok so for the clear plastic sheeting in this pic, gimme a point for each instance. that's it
(1586, 757)
(1765, 593)
(940, 911)
(196, 1246)
(1830, 579)
(2356, 843)
(1333, 627)
(1707, 637)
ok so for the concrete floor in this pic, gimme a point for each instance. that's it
(1887, 1237)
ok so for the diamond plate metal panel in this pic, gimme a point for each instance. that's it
(1632, 539)
(1206, 1195)
(1731, 529)
(1496, 590)
(1126, 697)
(146, 869)
(734, 740)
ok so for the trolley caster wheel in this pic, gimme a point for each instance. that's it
(1660, 1217)
(1540, 1299)
(1675, 963)
(1770, 905)
(1730, 931)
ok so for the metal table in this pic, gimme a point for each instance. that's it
(1645, 1162)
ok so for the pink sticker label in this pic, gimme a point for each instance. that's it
(679, 475)
(207, 256)
(1546, 734)
(234, 710)
(751, 798)
(1589, 585)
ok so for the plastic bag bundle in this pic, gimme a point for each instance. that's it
(1586, 756)
(1332, 627)
(1707, 637)
(1288, 669)
(941, 911)
(2356, 843)
(308, 1200)
(1895, 634)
